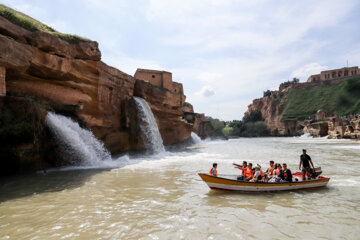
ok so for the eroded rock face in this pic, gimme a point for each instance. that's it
(344, 128)
(318, 129)
(271, 111)
(71, 80)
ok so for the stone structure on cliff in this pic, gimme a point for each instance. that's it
(272, 106)
(332, 74)
(70, 79)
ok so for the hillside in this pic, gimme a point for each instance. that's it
(294, 108)
(342, 99)
(32, 25)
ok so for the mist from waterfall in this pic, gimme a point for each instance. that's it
(78, 146)
(151, 135)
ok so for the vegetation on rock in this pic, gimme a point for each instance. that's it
(342, 99)
(287, 83)
(31, 24)
(252, 125)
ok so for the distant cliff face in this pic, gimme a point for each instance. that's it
(312, 108)
(71, 79)
(271, 108)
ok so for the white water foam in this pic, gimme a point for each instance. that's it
(195, 138)
(306, 135)
(151, 135)
(79, 146)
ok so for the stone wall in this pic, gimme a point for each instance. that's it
(335, 74)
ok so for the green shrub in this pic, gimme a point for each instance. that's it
(256, 129)
(31, 24)
(267, 93)
(254, 116)
(342, 98)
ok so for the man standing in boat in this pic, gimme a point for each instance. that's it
(305, 161)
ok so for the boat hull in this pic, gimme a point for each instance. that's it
(229, 182)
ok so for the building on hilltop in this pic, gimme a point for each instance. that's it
(335, 74)
(159, 78)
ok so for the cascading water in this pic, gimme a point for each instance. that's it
(79, 146)
(195, 138)
(151, 135)
(306, 133)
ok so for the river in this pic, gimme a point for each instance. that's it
(162, 197)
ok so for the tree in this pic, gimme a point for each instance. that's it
(267, 93)
(254, 116)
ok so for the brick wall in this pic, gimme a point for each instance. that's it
(154, 78)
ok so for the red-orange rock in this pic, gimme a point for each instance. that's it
(71, 79)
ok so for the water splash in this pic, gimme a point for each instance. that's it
(195, 138)
(306, 135)
(78, 146)
(151, 135)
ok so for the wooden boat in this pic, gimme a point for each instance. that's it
(230, 183)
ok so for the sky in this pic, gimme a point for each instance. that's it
(225, 52)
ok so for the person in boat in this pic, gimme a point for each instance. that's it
(305, 161)
(259, 175)
(242, 168)
(213, 170)
(275, 171)
(269, 171)
(279, 177)
(248, 173)
(287, 174)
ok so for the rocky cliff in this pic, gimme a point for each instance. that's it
(70, 78)
(298, 108)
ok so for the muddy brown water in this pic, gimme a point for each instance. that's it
(162, 197)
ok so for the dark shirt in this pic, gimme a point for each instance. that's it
(281, 174)
(305, 160)
(288, 175)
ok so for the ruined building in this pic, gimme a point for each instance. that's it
(335, 74)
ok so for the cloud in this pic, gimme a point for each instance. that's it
(225, 52)
(305, 71)
(206, 91)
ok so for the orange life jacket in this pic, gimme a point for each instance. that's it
(270, 170)
(215, 172)
(276, 172)
(285, 174)
(248, 173)
(262, 175)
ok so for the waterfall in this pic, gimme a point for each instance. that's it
(195, 138)
(151, 135)
(79, 146)
(306, 133)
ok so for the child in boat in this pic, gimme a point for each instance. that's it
(213, 170)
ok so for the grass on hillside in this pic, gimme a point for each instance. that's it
(31, 24)
(342, 99)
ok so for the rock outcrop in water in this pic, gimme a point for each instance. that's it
(70, 79)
